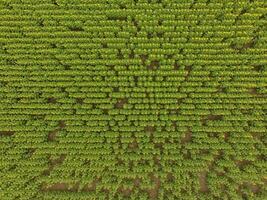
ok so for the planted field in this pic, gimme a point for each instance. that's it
(133, 99)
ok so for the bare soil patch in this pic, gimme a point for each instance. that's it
(121, 103)
(203, 182)
(7, 133)
(153, 65)
(153, 193)
(91, 186)
(52, 100)
(187, 138)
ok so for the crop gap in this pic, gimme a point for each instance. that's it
(104, 45)
(187, 155)
(41, 22)
(52, 135)
(169, 56)
(30, 152)
(122, 6)
(262, 16)
(153, 65)
(53, 45)
(226, 136)
(222, 89)
(243, 11)
(11, 61)
(120, 55)
(105, 111)
(79, 100)
(188, 68)
(143, 58)
(258, 68)
(187, 138)
(176, 65)
(149, 35)
(214, 117)
(150, 129)
(120, 103)
(211, 117)
(160, 34)
(131, 55)
(76, 28)
(119, 18)
(203, 182)
(241, 164)
(220, 16)
(61, 124)
(9, 6)
(136, 25)
(253, 91)
(116, 89)
(244, 46)
(170, 177)
(7, 133)
(135, 79)
(55, 2)
(133, 145)
(153, 193)
(52, 100)
(125, 192)
(90, 187)
(213, 135)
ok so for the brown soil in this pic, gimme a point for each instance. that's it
(62, 124)
(242, 163)
(150, 129)
(76, 29)
(143, 58)
(226, 137)
(52, 135)
(91, 186)
(53, 163)
(203, 182)
(56, 187)
(125, 192)
(253, 187)
(136, 25)
(187, 155)
(61, 187)
(158, 145)
(156, 160)
(245, 46)
(170, 177)
(187, 138)
(214, 117)
(120, 103)
(51, 100)
(131, 55)
(211, 117)
(137, 182)
(153, 65)
(133, 145)
(153, 193)
(7, 133)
